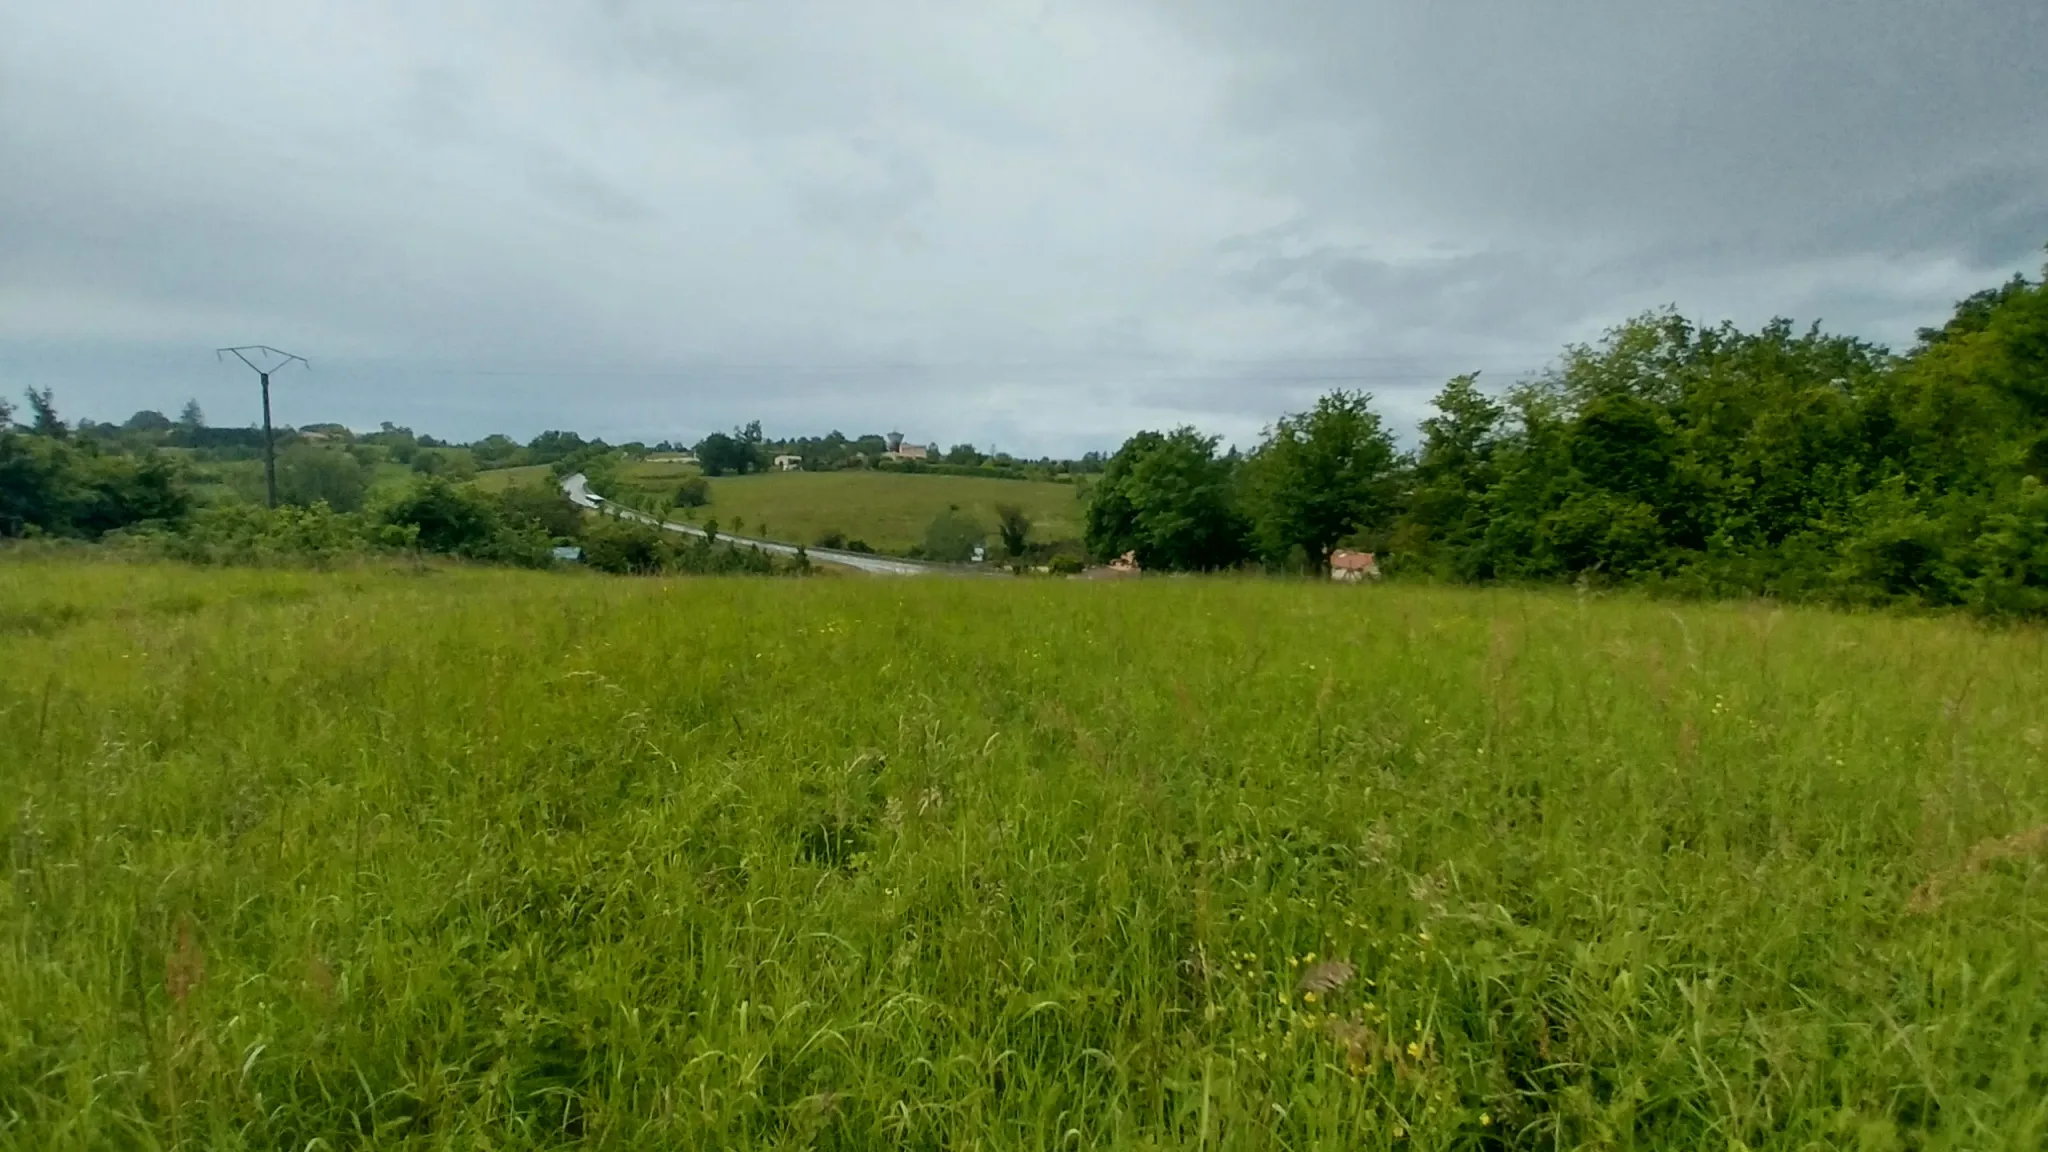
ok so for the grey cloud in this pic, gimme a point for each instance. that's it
(1042, 221)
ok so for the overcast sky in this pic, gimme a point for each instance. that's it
(1038, 223)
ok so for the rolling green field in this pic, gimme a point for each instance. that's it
(243, 479)
(499, 479)
(444, 857)
(889, 510)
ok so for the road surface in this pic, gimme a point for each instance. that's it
(577, 488)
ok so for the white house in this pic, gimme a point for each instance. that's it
(789, 463)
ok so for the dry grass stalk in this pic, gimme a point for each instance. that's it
(185, 967)
(1328, 976)
(319, 977)
(1929, 895)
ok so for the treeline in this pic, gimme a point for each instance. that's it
(56, 482)
(1708, 461)
(747, 449)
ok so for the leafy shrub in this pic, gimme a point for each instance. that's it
(51, 485)
(952, 537)
(308, 474)
(460, 521)
(237, 533)
(631, 548)
(693, 492)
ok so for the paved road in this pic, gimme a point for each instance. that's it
(577, 488)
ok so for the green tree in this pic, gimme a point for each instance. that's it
(42, 408)
(737, 454)
(308, 474)
(1320, 477)
(497, 451)
(1014, 527)
(1169, 498)
(952, 537)
(1444, 522)
(58, 486)
(693, 492)
(542, 506)
(460, 521)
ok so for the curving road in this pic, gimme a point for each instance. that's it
(577, 488)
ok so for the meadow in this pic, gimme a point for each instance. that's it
(888, 510)
(526, 475)
(434, 857)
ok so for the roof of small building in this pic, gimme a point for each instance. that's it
(1346, 558)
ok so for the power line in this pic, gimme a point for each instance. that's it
(263, 371)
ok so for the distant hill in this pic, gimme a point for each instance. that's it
(888, 511)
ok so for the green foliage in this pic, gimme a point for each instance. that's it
(309, 474)
(542, 506)
(1444, 523)
(631, 548)
(1775, 462)
(1169, 498)
(461, 521)
(56, 485)
(693, 492)
(551, 446)
(43, 419)
(455, 464)
(1014, 526)
(738, 454)
(1319, 478)
(240, 533)
(952, 537)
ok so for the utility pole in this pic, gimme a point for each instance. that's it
(263, 371)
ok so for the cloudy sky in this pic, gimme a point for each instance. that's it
(1038, 223)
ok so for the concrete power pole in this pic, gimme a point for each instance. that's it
(263, 371)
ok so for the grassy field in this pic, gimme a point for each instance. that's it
(889, 510)
(453, 858)
(499, 479)
(243, 479)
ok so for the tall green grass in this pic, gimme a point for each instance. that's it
(472, 859)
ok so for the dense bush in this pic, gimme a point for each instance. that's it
(693, 492)
(460, 521)
(309, 474)
(240, 533)
(629, 547)
(952, 537)
(1702, 461)
(52, 484)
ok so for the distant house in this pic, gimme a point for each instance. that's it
(1351, 567)
(898, 450)
(789, 463)
(569, 553)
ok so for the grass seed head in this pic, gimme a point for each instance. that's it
(1327, 976)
